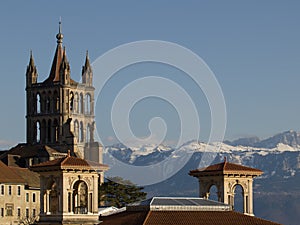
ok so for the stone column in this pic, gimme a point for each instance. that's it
(64, 195)
(245, 205)
(250, 197)
(202, 191)
(71, 202)
(42, 206)
(95, 194)
(225, 193)
(48, 202)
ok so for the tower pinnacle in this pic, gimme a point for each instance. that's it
(59, 36)
(87, 64)
(31, 61)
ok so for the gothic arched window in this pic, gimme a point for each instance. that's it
(49, 131)
(87, 104)
(38, 132)
(76, 103)
(76, 130)
(71, 101)
(38, 103)
(48, 105)
(43, 131)
(80, 105)
(55, 102)
(56, 130)
(88, 133)
(81, 134)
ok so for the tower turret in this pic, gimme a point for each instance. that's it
(64, 71)
(87, 73)
(31, 72)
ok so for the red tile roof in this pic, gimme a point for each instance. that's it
(202, 217)
(69, 162)
(183, 218)
(226, 167)
(125, 218)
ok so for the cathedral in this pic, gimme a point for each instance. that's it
(53, 178)
(59, 114)
(60, 111)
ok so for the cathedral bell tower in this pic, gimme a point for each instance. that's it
(60, 111)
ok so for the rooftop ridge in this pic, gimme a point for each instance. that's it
(226, 167)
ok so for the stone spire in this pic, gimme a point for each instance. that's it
(31, 72)
(87, 73)
(31, 66)
(64, 62)
(54, 72)
(65, 69)
(87, 66)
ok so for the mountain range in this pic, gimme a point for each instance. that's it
(276, 192)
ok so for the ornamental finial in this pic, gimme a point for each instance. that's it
(59, 36)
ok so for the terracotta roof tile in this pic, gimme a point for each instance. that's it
(125, 218)
(70, 162)
(225, 167)
(202, 217)
(183, 218)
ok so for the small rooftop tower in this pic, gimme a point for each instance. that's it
(69, 191)
(226, 176)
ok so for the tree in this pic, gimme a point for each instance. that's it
(27, 220)
(116, 191)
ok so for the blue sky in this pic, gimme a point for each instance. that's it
(253, 48)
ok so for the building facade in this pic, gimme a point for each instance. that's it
(19, 195)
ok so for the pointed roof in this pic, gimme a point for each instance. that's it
(31, 65)
(87, 64)
(64, 61)
(69, 162)
(54, 72)
(225, 168)
(57, 60)
(86, 68)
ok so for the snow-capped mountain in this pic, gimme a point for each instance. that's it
(260, 157)
(278, 157)
(139, 156)
(290, 137)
